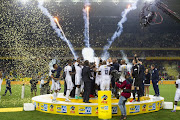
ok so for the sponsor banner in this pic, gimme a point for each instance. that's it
(51, 108)
(144, 107)
(85, 110)
(61, 109)
(161, 104)
(72, 110)
(134, 109)
(114, 110)
(34, 105)
(44, 107)
(104, 105)
(152, 106)
(80, 110)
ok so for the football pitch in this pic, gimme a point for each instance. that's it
(166, 91)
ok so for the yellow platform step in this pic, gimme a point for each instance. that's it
(17, 109)
(95, 100)
(178, 108)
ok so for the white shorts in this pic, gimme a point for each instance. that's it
(98, 79)
(55, 85)
(105, 83)
(52, 86)
(69, 83)
(78, 80)
(177, 96)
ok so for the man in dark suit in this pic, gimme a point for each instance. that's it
(155, 79)
(86, 77)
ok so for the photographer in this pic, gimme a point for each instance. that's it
(33, 83)
(126, 86)
(8, 86)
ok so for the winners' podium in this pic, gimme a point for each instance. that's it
(104, 106)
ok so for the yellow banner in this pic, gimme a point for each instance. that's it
(104, 105)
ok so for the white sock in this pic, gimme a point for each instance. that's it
(76, 93)
(79, 91)
(54, 95)
(175, 107)
(67, 94)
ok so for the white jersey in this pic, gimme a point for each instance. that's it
(98, 77)
(123, 69)
(68, 78)
(105, 70)
(177, 95)
(67, 71)
(178, 83)
(78, 71)
(105, 77)
(78, 75)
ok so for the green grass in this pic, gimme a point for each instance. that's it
(167, 91)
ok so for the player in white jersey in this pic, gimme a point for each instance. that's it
(98, 77)
(55, 78)
(78, 80)
(68, 79)
(41, 82)
(123, 70)
(177, 95)
(105, 76)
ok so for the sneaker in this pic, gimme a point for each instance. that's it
(88, 102)
(122, 117)
(67, 100)
(76, 97)
(158, 95)
(173, 111)
(125, 117)
(80, 97)
(3, 94)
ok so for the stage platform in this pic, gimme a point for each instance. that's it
(76, 107)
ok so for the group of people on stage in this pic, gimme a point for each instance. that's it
(84, 79)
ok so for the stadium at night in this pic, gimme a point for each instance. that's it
(131, 49)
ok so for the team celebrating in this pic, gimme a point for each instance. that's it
(84, 79)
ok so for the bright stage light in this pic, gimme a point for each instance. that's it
(87, 8)
(56, 20)
(128, 6)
